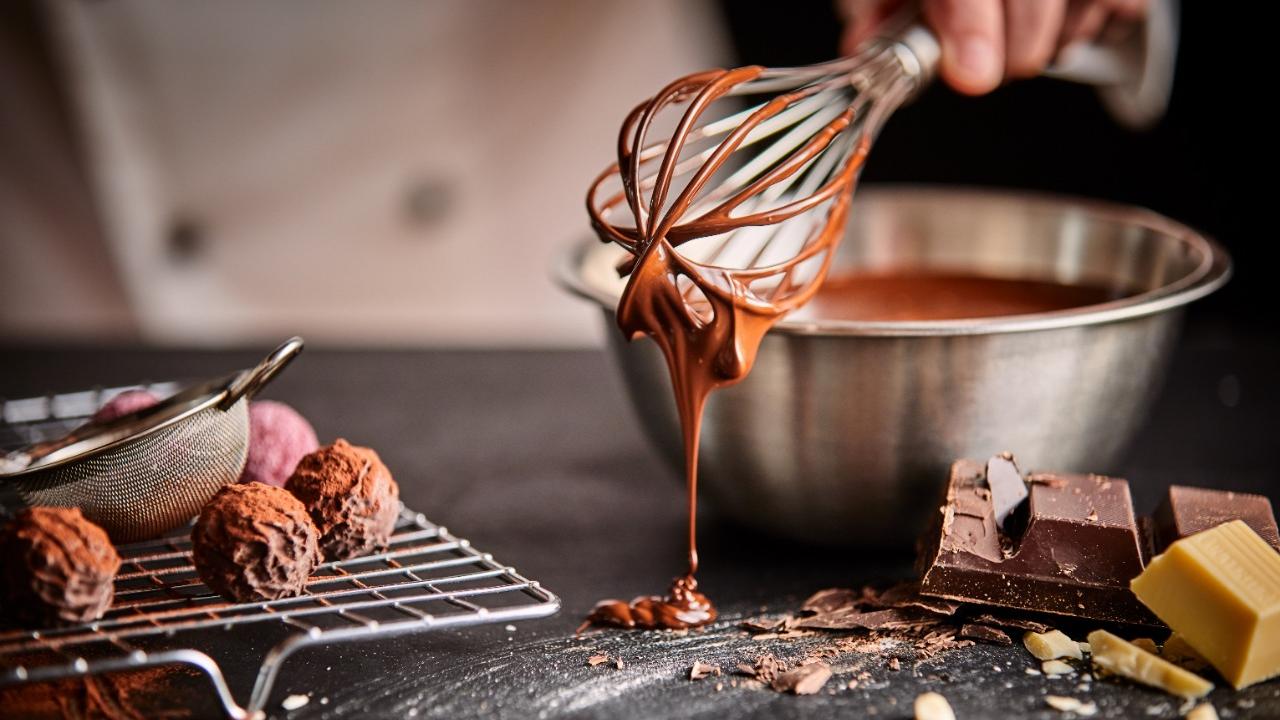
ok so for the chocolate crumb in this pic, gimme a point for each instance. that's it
(895, 664)
(595, 660)
(701, 670)
(767, 668)
(803, 680)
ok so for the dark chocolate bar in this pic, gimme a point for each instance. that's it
(1078, 550)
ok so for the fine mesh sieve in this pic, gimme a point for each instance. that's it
(149, 471)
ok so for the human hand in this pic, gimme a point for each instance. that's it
(985, 42)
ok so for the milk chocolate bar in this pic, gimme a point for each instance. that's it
(1078, 548)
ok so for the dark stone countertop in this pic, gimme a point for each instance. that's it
(536, 457)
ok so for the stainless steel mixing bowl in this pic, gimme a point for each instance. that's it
(844, 430)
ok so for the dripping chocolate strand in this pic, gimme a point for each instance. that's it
(711, 342)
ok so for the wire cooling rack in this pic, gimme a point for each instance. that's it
(163, 615)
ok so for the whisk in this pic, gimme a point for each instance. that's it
(742, 213)
(152, 470)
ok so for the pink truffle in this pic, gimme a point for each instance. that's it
(126, 402)
(278, 438)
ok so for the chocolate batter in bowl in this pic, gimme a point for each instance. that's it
(954, 323)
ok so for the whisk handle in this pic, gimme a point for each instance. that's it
(1134, 75)
(249, 382)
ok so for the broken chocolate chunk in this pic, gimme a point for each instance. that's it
(1189, 510)
(1075, 557)
(767, 668)
(1008, 489)
(985, 633)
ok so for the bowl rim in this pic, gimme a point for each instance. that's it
(1210, 274)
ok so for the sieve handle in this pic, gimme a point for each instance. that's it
(249, 382)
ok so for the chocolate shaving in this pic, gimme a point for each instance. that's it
(1011, 621)
(803, 680)
(763, 625)
(985, 633)
(938, 641)
(595, 660)
(831, 600)
(874, 620)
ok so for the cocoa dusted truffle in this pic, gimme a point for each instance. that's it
(58, 568)
(351, 497)
(254, 542)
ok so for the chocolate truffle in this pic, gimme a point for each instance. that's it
(129, 401)
(58, 568)
(278, 438)
(351, 497)
(254, 542)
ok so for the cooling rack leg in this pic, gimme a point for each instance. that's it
(210, 668)
(270, 669)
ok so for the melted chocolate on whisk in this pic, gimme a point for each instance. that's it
(707, 344)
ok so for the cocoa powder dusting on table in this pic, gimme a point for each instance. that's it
(133, 695)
